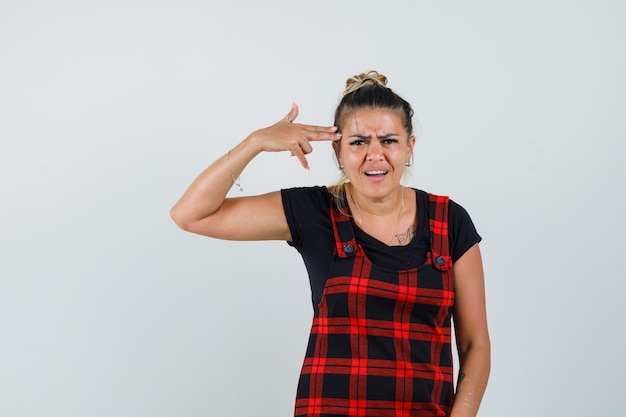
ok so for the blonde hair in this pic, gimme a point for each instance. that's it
(364, 79)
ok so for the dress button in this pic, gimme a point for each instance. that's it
(440, 261)
(348, 248)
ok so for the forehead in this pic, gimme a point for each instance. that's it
(368, 120)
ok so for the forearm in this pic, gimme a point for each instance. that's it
(472, 381)
(204, 209)
(208, 191)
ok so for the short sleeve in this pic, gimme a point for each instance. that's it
(307, 210)
(463, 234)
(287, 195)
(307, 213)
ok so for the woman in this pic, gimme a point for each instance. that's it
(389, 266)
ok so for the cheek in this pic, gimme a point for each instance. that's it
(352, 156)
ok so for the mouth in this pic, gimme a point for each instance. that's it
(375, 173)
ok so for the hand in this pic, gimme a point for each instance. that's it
(288, 136)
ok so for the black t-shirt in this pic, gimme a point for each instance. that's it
(308, 214)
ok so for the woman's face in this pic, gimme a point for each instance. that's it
(373, 150)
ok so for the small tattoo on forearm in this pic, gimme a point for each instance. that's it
(461, 377)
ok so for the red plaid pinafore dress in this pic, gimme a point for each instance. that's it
(380, 343)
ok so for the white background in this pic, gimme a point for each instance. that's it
(109, 109)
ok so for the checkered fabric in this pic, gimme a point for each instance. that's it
(380, 343)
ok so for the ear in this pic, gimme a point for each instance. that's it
(337, 149)
(410, 145)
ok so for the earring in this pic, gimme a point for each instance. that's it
(407, 164)
(340, 167)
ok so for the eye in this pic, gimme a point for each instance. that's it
(390, 141)
(357, 142)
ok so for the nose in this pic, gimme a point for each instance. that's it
(374, 151)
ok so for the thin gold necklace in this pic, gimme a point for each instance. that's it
(395, 231)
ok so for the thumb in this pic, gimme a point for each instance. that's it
(293, 113)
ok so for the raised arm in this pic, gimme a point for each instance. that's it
(204, 208)
(472, 336)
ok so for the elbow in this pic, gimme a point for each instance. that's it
(479, 348)
(481, 343)
(189, 221)
(179, 218)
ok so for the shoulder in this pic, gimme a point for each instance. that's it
(307, 196)
(455, 210)
(462, 233)
(312, 190)
(458, 214)
(307, 210)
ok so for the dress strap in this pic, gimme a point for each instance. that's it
(438, 224)
(345, 242)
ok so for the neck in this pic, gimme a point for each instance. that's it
(382, 219)
(383, 206)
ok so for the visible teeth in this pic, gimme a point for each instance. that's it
(379, 172)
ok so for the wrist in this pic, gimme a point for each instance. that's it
(253, 143)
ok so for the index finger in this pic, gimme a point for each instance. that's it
(322, 133)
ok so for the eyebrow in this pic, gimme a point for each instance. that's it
(386, 136)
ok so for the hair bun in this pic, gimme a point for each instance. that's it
(364, 79)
